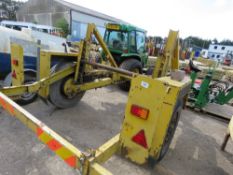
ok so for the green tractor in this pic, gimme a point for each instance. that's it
(127, 45)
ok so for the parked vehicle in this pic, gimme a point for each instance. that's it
(18, 25)
(28, 39)
(127, 44)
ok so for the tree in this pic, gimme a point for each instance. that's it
(215, 41)
(158, 39)
(35, 22)
(63, 24)
(4, 6)
(226, 42)
(196, 41)
(10, 7)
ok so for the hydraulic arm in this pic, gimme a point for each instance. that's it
(169, 58)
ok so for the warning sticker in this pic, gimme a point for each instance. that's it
(145, 84)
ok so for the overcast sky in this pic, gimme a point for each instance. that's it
(208, 19)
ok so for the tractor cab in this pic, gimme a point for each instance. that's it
(126, 42)
(127, 45)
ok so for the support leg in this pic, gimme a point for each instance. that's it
(226, 138)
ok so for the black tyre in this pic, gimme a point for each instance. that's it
(171, 130)
(57, 96)
(169, 135)
(150, 71)
(132, 65)
(26, 98)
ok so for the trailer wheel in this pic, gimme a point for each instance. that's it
(169, 135)
(171, 130)
(132, 65)
(26, 98)
(57, 95)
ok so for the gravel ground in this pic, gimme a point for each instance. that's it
(97, 118)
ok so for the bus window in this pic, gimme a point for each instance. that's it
(45, 30)
(17, 28)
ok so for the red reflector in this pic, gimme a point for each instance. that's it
(198, 81)
(140, 112)
(14, 74)
(15, 62)
(140, 139)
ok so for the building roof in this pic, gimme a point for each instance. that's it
(90, 12)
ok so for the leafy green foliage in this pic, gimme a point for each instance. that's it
(63, 24)
(203, 43)
(35, 22)
(10, 6)
(226, 42)
(197, 42)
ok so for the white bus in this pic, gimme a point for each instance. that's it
(17, 25)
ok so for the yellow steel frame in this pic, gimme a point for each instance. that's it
(169, 58)
(159, 96)
(228, 134)
(46, 79)
(167, 94)
(142, 93)
(17, 64)
(231, 128)
(86, 163)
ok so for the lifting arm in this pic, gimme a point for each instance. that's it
(169, 57)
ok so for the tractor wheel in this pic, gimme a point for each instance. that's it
(26, 98)
(171, 130)
(58, 94)
(132, 65)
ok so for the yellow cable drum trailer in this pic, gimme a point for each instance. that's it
(151, 115)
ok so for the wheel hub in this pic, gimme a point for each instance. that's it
(69, 89)
(64, 93)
